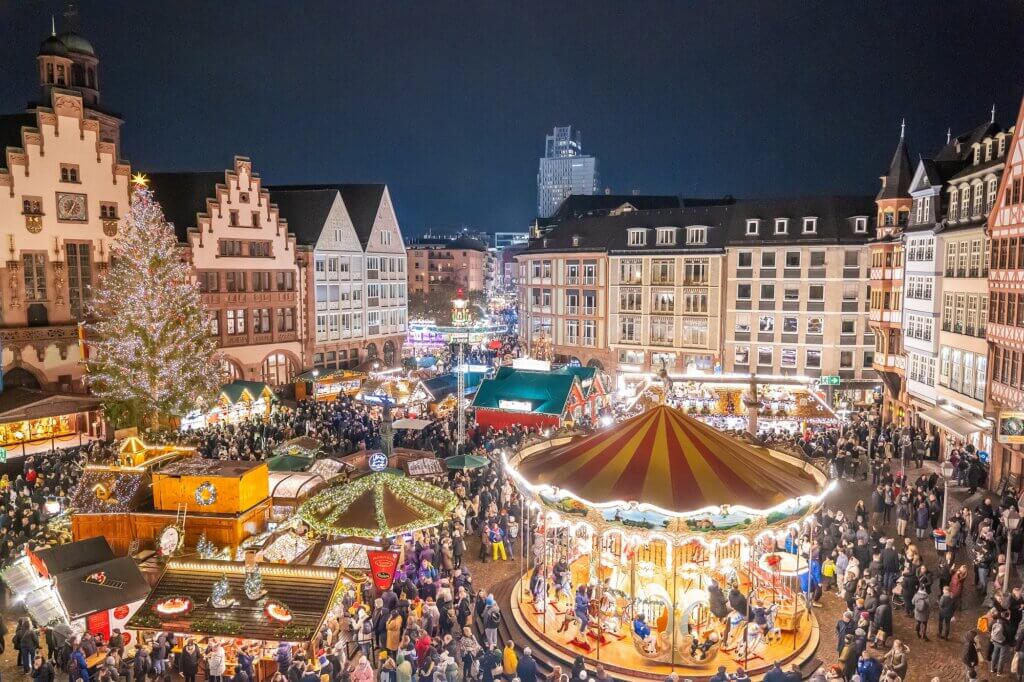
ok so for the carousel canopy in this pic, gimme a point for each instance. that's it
(665, 458)
(378, 505)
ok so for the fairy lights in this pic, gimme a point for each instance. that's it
(152, 345)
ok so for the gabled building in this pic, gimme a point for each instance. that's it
(250, 271)
(1004, 397)
(532, 398)
(63, 190)
(886, 282)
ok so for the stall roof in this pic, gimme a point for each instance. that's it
(124, 584)
(75, 555)
(237, 390)
(294, 485)
(545, 392)
(108, 490)
(197, 466)
(444, 385)
(19, 404)
(307, 592)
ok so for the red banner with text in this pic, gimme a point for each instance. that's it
(382, 567)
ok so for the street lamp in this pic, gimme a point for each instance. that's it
(1012, 520)
(947, 473)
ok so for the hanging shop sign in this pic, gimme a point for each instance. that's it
(1011, 427)
(382, 567)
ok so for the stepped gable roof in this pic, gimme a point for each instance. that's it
(183, 196)
(667, 459)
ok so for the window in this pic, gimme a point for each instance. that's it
(34, 269)
(792, 259)
(695, 270)
(694, 331)
(766, 323)
(990, 195)
(631, 271)
(696, 235)
(767, 259)
(261, 281)
(848, 326)
(695, 301)
(572, 332)
(662, 272)
(662, 331)
(235, 322)
(812, 359)
(663, 301)
(781, 225)
(234, 281)
(789, 325)
(385, 237)
(630, 300)
(230, 247)
(285, 281)
(767, 292)
(742, 355)
(743, 292)
(860, 226)
(79, 277)
(817, 259)
(788, 357)
(214, 323)
(69, 172)
(629, 329)
(791, 292)
(277, 369)
(208, 282)
(851, 259)
(815, 325)
(846, 359)
(262, 250)
(667, 236)
(108, 210)
(633, 357)
(637, 237)
(810, 227)
(744, 259)
(261, 320)
(753, 227)
(764, 355)
(286, 319)
(589, 333)
(816, 292)
(742, 323)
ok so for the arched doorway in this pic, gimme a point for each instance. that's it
(371, 351)
(596, 364)
(389, 352)
(230, 371)
(574, 361)
(19, 377)
(278, 369)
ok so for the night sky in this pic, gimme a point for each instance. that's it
(449, 102)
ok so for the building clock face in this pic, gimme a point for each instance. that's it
(71, 207)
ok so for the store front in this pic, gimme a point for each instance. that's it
(956, 428)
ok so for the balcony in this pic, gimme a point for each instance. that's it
(665, 281)
(589, 310)
(589, 281)
(572, 280)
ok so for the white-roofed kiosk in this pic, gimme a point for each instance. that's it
(645, 528)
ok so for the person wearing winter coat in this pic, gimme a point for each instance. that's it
(142, 665)
(188, 661)
(283, 657)
(922, 611)
(526, 671)
(216, 664)
(881, 622)
(868, 668)
(509, 659)
(896, 658)
(28, 644)
(947, 609)
(467, 649)
(393, 628)
(42, 670)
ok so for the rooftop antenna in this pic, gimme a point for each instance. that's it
(53, 25)
(993, 119)
(903, 127)
(949, 134)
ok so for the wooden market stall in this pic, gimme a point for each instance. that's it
(328, 384)
(48, 419)
(209, 600)
(236, 401)
(533, 398)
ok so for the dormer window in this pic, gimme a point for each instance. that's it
(696, 235)
(977, 154)
(575, 240)
(810, 226)
(637, 236)
(667, 236)
(781, 225)
(988, 150)
(860, 225)
(1002, 144)
(753, 227)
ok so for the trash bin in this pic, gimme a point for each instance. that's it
(940, 539)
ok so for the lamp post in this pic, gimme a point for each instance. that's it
(1011, 521)
(947, 473)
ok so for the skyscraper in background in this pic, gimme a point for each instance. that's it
(564, 170)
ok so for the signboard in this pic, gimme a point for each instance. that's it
(1011, 427)
(98, 623)
(828, 381)
(377, 461)
(382, 567)
(515, 405)
(428, 466)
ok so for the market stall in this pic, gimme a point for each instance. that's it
(647, 515)
(257, 605)
(328, 384)
(527, 397)
(289, 489)
(437, 395)
(236, 401)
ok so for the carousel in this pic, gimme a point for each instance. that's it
(660, 549)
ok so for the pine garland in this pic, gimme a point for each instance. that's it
(152, 344)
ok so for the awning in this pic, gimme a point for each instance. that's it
(953, 422)
(414, 424)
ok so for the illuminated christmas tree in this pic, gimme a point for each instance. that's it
(151, 349)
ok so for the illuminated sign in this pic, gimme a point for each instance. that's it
(378, 461)
(515, 405)
(1011, 427)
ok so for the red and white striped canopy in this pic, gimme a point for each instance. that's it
(666, 458)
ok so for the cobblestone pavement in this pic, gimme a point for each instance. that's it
(927, 659)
